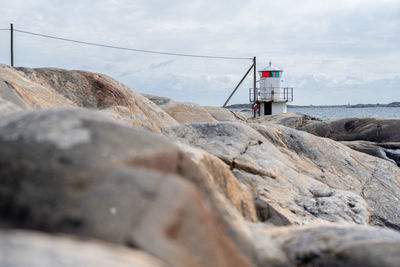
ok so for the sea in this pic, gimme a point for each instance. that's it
(329, 113)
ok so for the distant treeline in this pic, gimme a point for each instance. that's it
(393, 104)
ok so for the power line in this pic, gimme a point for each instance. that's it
(4, 29)
(131, 49)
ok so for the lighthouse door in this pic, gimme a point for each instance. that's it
(267, 108)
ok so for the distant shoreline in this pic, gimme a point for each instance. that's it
(393, 104)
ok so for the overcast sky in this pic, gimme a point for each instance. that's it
(332, 52)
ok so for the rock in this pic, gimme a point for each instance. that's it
(336, 245)
(224, 114)
(368, 129)
(287, 170)
(232, 201)
(8, 108)
(158, 100)
(17, 88)
(188, 112)
(8, 93)
(369, 148)
(221, 114)
(219, 179)
(219, 188)
(26, 248)
(88, 176)
(335, 205)
(394, 154)
(343, 169)
(46, 87)
(182, 112)
(292, 120)
(348, 129)
(372, 136)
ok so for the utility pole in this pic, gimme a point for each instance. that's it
(255, 90)
(12, 44)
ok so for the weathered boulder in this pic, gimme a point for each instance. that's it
(232, 201)
(216, 178)
(182, 112)
(394, 154)
(297, 177)
(27, 248)
(370, 148)
(292, 120)
(17, 88)
(349, 129)
(8, 108)
(335, 245)
(373, 136)
(47, 87)
(78, 172)
(223, 114)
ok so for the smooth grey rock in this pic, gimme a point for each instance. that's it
(283, 167)
(182, 112)
(8, 93)
(337, 245)
(370, 148)
(8, 108)
(372, 136)
(119, 184)
(346, 129)
(394, 154)
(28, 248)
(335, 205)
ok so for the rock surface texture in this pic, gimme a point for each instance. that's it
(92, 184)
(93, 173)
(26, 248)
(189, 112)
(293, 178)
(373, 136)
(46, 87)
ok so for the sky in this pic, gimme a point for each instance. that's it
(332, 52)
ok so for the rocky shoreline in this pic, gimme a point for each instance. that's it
(93, 173)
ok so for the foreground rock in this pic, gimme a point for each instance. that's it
(336, 245)
(297, 177)
(8, 108)
(46, 87)
(24, 248)
(92, 177)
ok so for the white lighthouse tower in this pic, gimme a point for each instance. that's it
(271, 98)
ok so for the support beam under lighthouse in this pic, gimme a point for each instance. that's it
(255, 81)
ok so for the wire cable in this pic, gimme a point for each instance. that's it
(131, 49)
(4, 29)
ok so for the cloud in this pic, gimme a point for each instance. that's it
(161, 64)
(319, 44)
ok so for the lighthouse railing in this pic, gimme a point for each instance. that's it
(274, 94)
